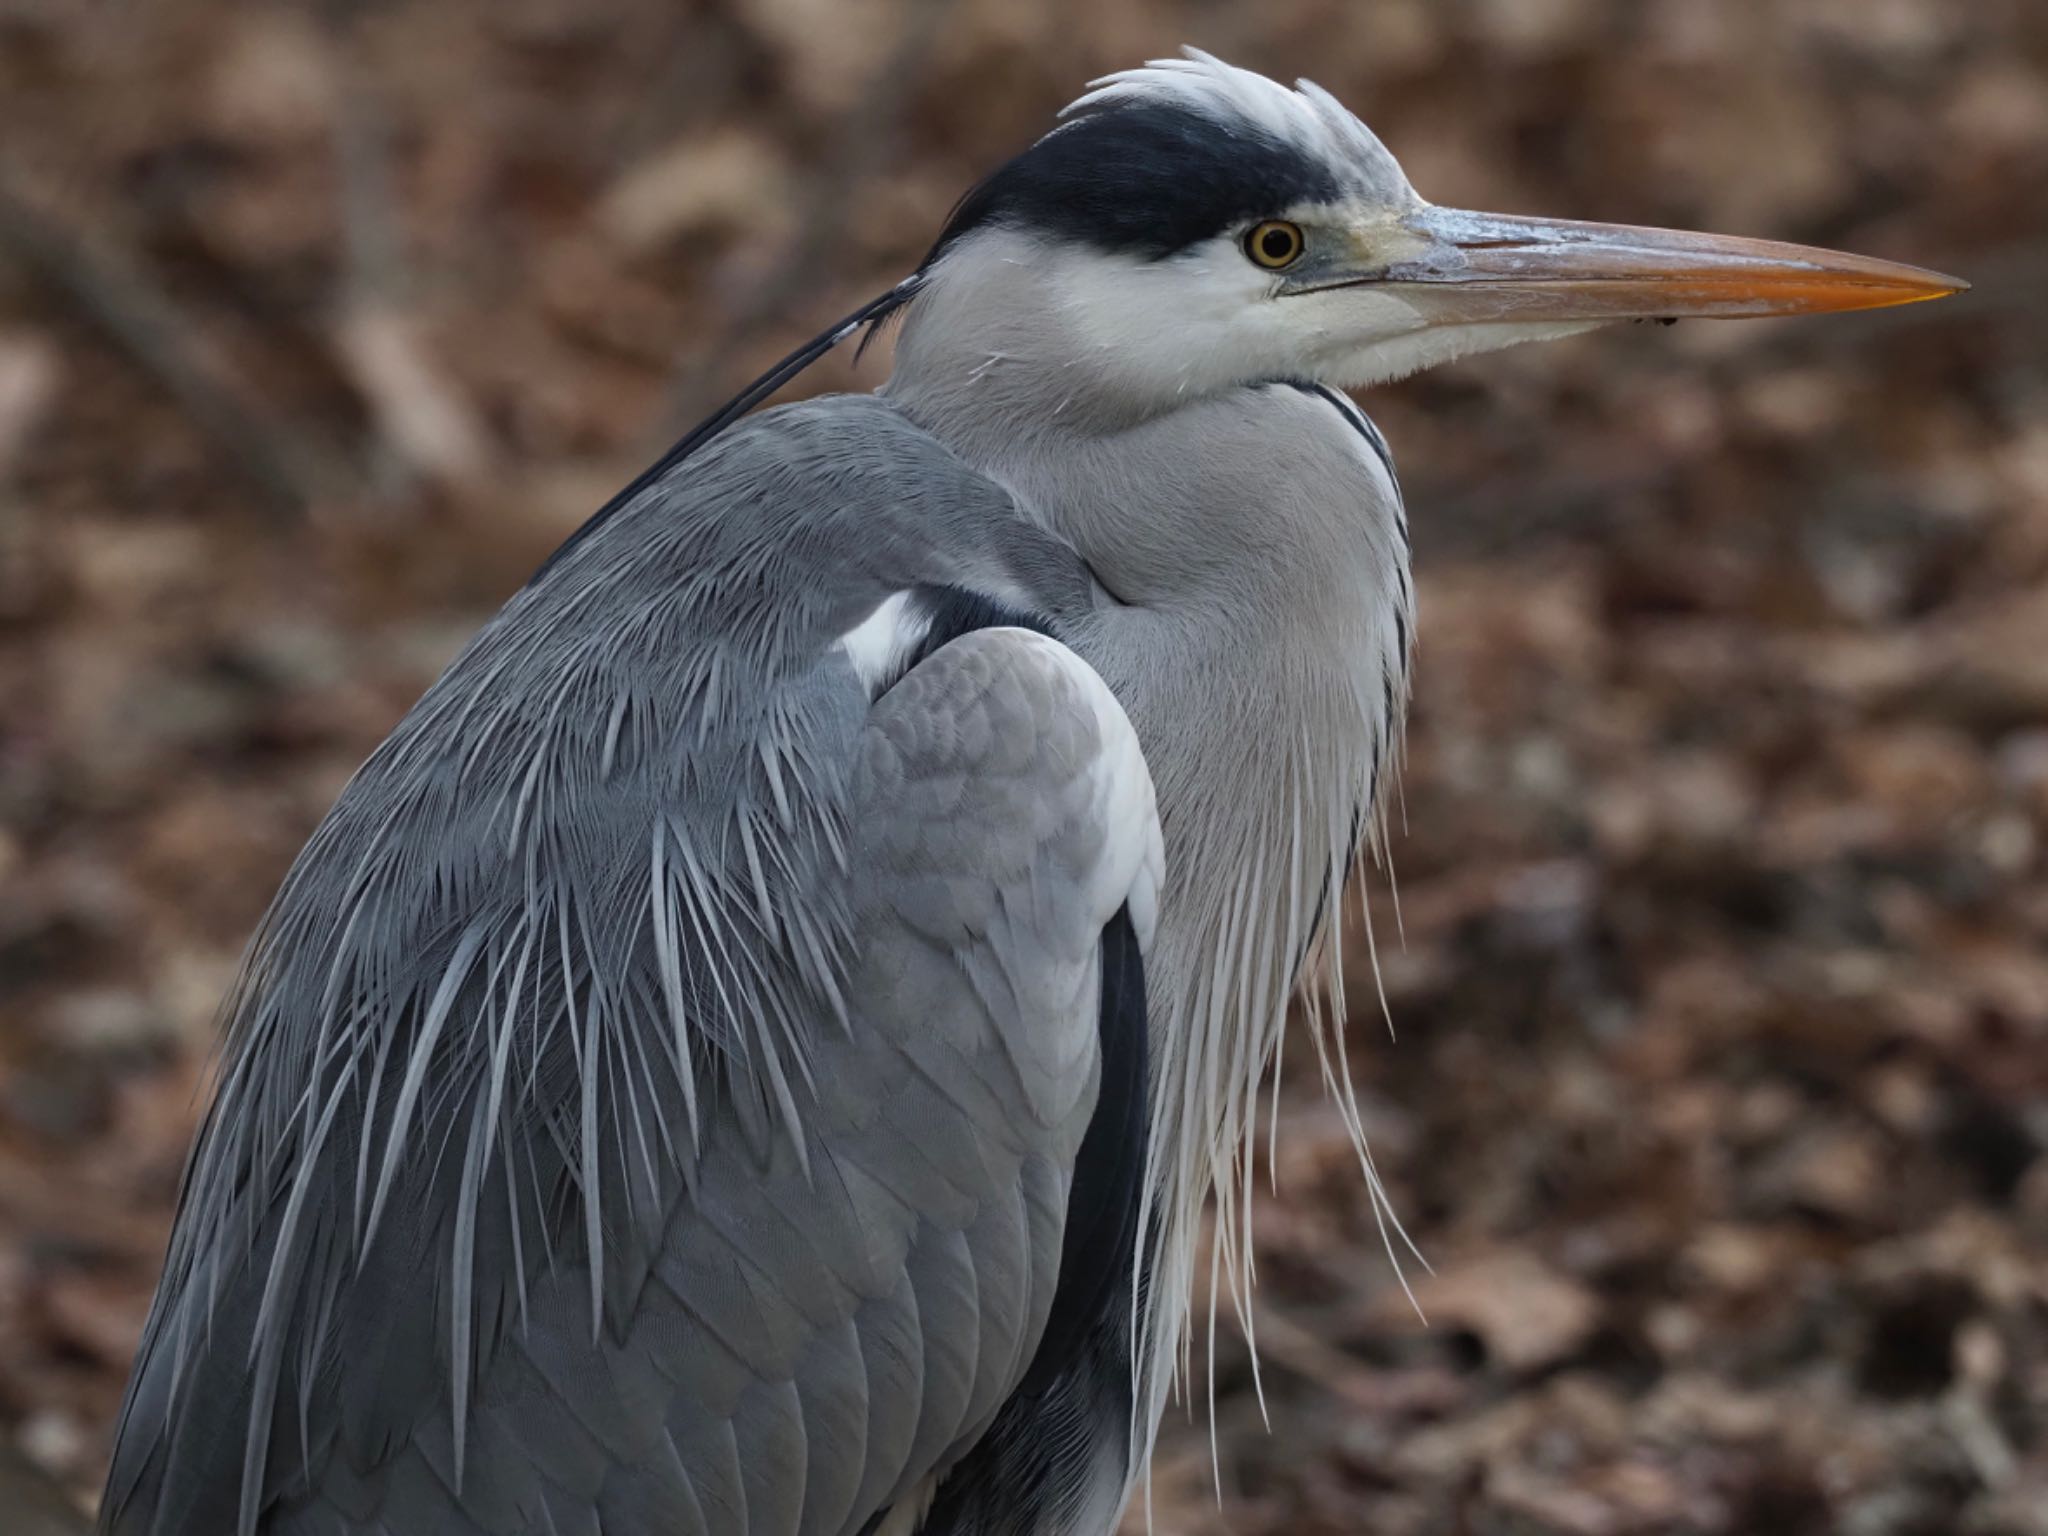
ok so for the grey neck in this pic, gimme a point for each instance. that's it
(1253, 541)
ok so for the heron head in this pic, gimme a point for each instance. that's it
(1190, 226)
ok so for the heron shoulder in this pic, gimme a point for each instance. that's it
(1028, 733)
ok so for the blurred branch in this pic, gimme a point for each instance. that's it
(143, 321)
(863, 140)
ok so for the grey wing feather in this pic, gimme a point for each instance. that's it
(650, 1101)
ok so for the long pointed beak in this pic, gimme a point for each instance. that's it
(1479, 267)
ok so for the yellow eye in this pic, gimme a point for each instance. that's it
(1274, 244)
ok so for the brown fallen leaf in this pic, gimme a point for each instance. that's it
(721, 181)
(1526, 1314)
(29, 375)
(421, 413)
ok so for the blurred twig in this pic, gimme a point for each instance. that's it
(362, 152)
(424, 423)
(143, 321)
(863, 140)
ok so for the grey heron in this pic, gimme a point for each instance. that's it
(750, 1054)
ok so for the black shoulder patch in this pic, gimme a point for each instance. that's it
(1099, 1245)
(1146, 178)
(957, 611)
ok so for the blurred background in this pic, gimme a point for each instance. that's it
(1720, 1096)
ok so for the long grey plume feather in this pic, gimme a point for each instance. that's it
(433, 1002)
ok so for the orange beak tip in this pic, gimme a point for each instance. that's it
(1553, 268)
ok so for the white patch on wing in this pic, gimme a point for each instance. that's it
(880, 644)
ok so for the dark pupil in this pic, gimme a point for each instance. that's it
(1277, 244)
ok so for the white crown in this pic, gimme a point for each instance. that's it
(1307, 117)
